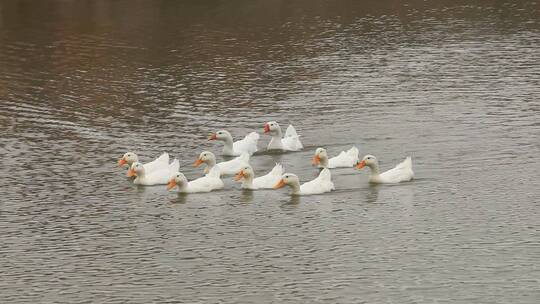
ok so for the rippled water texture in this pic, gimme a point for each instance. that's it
(454, 84)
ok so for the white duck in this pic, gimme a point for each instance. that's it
(323, 183)
(290, 142)
(157, 177)
(158, 163)
(343, 160)
(207, 183)
(401, 173)
(267, 181)
(247, 145)
(226, 168)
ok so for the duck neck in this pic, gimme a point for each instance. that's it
(324, 162)
(247, 183)
(141, 174)
(275, 142)
(278, 133)
(228, 146)
(295, 188)
(182, 187)
(374, 169)
(209, 165)
(139, 177)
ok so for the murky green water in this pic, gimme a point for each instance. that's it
(454, 84)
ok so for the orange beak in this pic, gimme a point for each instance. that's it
(316, 160)
(239, 175)
(198, 162)
(266, 128)
(131, 173)
(281, 184)
(171, 184)
(361, 164)
(122, 162)
(212, 137)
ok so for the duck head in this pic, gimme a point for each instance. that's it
(177, 179)
(368, 160)
(205, 157)
(245, 173)
(272, 128)
(288, 179)
(221, 135)
(128, 158)
(320, 157)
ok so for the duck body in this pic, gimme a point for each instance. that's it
(234, 165)
(270, 179)
(289, 142)
(246, 145)
(156, 177)
(401, 173)
(321, 184)
(345, 159)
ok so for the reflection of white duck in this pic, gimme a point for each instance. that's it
(226, 168)
(207, 183)
(130, 158)
(159, 176)
(267, 181)
(247, 145)
(289, 142)
(401, 173)
(343, 160)
(323, 183)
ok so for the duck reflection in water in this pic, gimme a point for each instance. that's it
(246, 196)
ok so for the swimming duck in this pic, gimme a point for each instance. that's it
(323, 183)
(247, 145)
(401, 173)
(207, 183)
(247, 175)
(343, 160)
(289, 142)
(157, 177)
(159, 163)
(226, 168)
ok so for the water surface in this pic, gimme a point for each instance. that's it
(454, 84)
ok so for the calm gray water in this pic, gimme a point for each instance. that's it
(454, 84)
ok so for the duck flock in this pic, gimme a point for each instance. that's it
(161, 172)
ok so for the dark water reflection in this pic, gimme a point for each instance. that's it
(455, 84)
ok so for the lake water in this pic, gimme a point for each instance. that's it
(454, 84)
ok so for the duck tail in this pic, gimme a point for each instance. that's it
(277, 170)
(174, 166)
(406, 164)
(353, 152)
(291, 132)
(254, 136)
